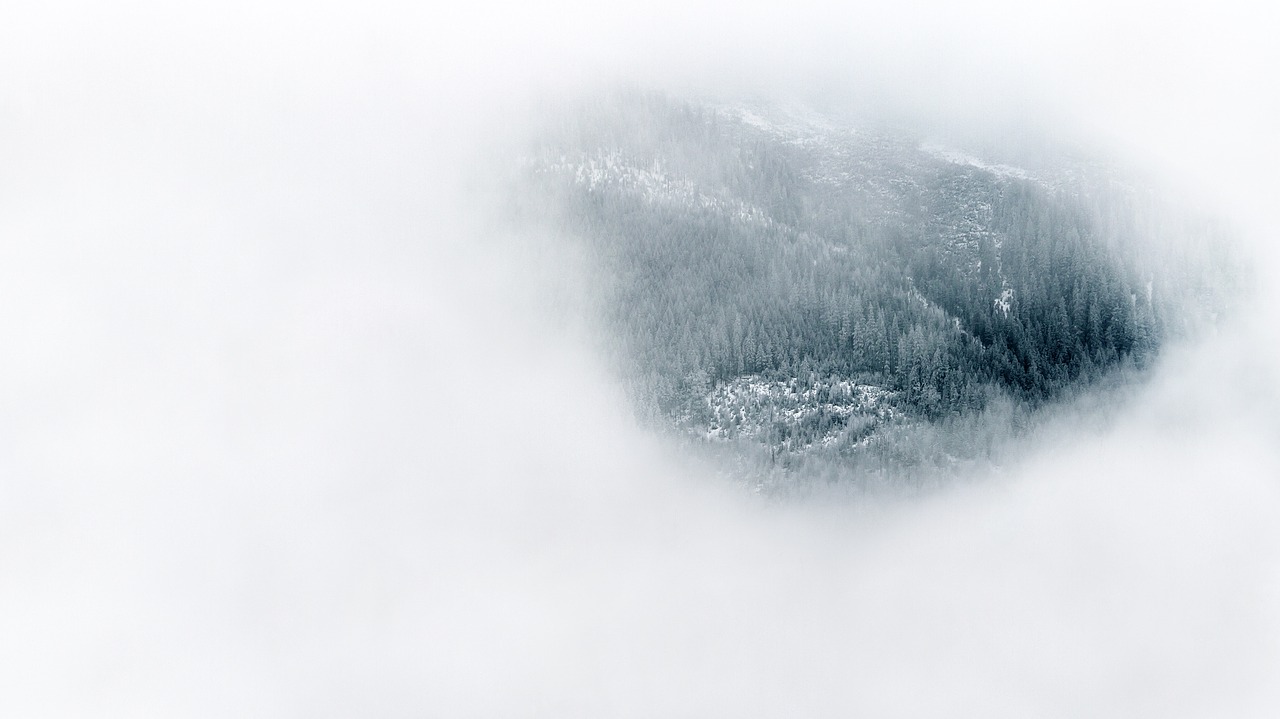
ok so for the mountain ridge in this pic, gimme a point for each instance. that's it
(780, 253)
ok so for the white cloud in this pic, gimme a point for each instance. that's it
(279, 435)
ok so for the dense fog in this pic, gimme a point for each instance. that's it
(288, 431)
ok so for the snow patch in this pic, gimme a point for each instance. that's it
(958, 157)
(612, 171)
(757, 408)
(1004, 301)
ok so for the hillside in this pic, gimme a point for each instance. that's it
(826, 285)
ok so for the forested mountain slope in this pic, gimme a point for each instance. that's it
(817, 284)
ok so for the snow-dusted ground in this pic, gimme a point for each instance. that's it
(614, 171)
(754, 407)
(960, 157)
